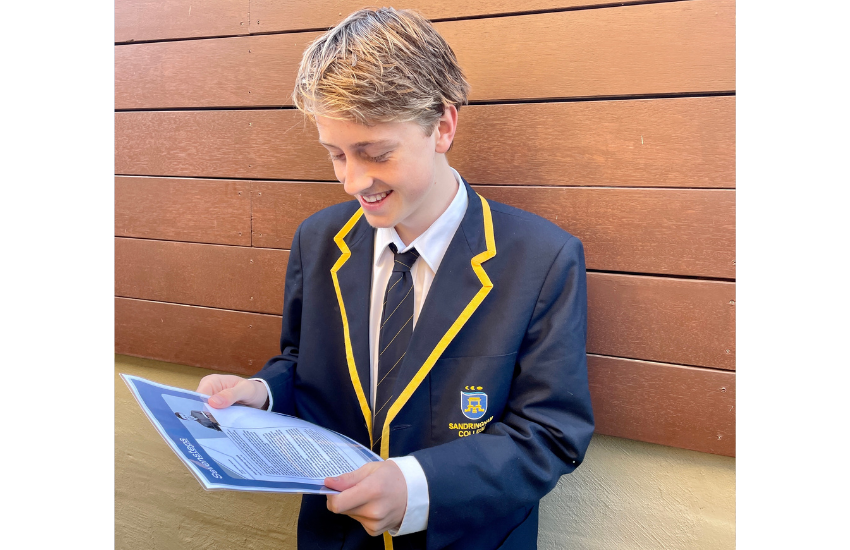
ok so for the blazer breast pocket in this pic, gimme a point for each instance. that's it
(468, 393)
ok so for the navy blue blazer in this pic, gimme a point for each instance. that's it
(493, 393)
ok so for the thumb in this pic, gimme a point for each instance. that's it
(349, 480)
(243, 391)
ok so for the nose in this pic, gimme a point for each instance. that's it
(356, 177)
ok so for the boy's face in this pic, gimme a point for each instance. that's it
(392, 168)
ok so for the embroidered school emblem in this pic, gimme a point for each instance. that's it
(473, 404)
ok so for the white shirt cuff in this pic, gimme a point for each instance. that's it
(416, 515)
(268, 391)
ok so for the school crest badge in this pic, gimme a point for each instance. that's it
(473, 404)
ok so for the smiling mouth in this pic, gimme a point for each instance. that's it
(376, 198)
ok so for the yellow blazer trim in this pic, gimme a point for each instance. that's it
(486, 287)
(349, 353)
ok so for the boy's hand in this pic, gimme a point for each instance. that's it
(226, 389)
(374, 494)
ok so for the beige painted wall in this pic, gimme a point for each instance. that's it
(626, 495)
(634, 495)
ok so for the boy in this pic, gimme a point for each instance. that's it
(416, 294)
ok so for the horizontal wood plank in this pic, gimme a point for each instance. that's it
(232, 341)
(196, 144)
(682, 142)
(205, 211)
(692, 231)
(221, 72)
(677, 47)
(644, 49)
(661, 231)
(685, 407)
(683, 321)
(137, 20)
(164, 19)
(200, 73)
(271, 15)
(229, 144)
(226, 277)
(279, 207)
(672, 405)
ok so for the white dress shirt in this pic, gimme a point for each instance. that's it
(431, 246)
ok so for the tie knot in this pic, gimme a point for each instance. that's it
(403, 262)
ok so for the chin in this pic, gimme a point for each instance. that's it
(379, 221)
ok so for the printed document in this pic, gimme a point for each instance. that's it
(246, 449)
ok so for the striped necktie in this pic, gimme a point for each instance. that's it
(396, 328)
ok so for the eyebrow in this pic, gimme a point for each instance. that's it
(362, 144)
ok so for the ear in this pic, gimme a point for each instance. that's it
(446, 127)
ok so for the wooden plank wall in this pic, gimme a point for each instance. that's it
(616, 122)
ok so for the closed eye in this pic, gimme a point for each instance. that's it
(380, 158)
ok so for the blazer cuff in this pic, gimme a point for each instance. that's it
(268, 391)
(416, 514)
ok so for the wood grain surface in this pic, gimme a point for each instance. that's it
(219, 72)
(205, 211)
(662, 231)
(229, 144)
(682, 142)
(232, 341)
(692, 231)
(200, 73)
(168, 19)
(208, 143)
(173, 19)
(226, 277)
(684, 321)
(270, 15)
(677, 47)
(685, 407)
(279, 207)
(644, 49)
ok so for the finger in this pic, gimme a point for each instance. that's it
(349, 502)
(373, 522)
(378, 501)
(244, 392)
(207, 385)
(355, 494)
(214, 383)
(349, 480)
(371, 518)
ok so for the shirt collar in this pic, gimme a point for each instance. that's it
(433, 243)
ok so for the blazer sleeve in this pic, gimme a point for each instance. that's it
(545, 429)
(279, 371)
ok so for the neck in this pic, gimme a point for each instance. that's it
(439, 198)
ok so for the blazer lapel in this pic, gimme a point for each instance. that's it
(354, 279)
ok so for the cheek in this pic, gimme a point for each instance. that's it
(339, 172)
(424, 181)
(418, 175)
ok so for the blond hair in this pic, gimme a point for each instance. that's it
(380, 65)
